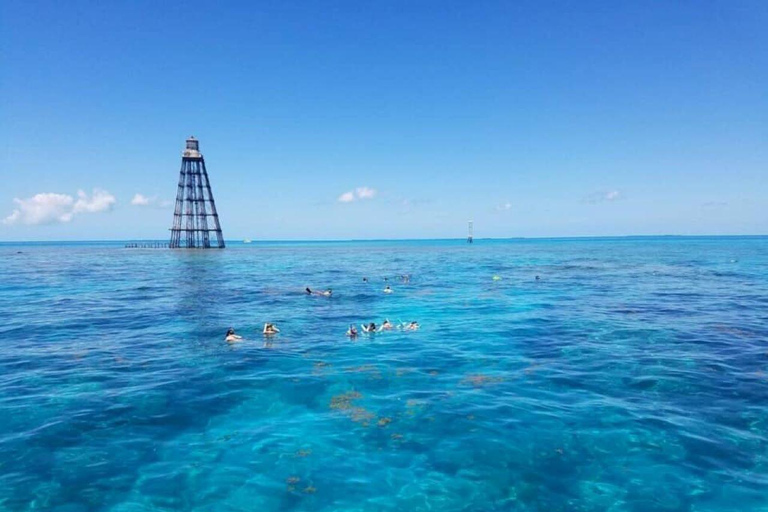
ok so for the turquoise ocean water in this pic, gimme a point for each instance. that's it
(633, 376)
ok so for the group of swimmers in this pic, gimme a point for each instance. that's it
(405, 278)
(271, 329)
(329, 292)
(371, 328)
(386, 326)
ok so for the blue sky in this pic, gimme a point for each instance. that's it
(532, 118)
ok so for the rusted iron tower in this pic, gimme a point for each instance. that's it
(195, 208)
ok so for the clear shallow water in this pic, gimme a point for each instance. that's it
(632, 377)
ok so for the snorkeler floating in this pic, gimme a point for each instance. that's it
(352, 331)
(411, 326)
(388, 289)
(231, 336)
(370, 328)
(386, 326)
(326, 293)
(270, 329)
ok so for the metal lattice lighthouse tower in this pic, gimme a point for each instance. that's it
(195, 217)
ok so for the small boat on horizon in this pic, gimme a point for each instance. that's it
(247, 241)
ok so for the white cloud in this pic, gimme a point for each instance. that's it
(13, 218)
(51, 208)
(504, 207)
(142, 200)
(603, 196)
(100, 201)
(365, 193)
(358, 193)
(46, 208)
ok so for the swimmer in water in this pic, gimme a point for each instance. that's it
(309, 292)
(270, 329)
(387, 289)
(231, 336)
(371, 327)
(386, 326)
(412, 326)
(538, 278)
(365, 279)
(327, 293)
(352, 331)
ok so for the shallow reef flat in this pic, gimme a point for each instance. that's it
(632, 376)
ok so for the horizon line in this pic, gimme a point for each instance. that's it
(327, 240)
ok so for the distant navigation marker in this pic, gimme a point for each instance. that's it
(471, 233)
(193, 201)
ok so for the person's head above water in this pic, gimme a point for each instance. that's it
(307, 290)
(230, 331)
